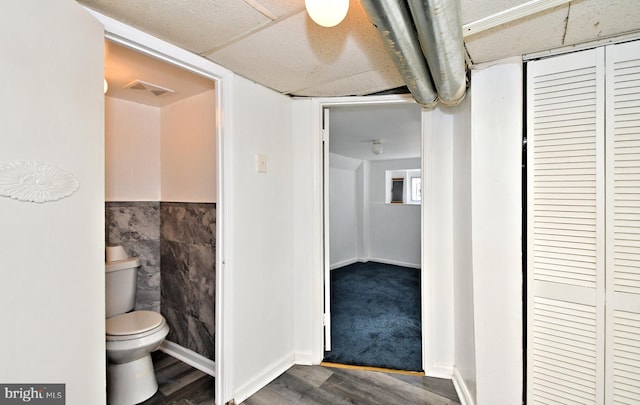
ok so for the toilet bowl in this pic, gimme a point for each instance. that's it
(131, 336)
(130, 339)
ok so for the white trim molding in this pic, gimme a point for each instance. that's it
(190, 357)
(462, 390)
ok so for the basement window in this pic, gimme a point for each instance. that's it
(403, 186)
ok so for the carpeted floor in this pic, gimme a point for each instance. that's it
(375, 316)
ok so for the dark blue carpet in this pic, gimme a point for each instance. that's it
(375, 316)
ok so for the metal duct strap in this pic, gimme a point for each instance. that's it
(430, 57)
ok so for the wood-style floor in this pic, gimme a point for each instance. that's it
(181, 384)
(310, 385)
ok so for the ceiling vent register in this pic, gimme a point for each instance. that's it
(154, 89)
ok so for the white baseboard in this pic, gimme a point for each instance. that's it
(438, 371)
(343, 263)
(395, 262)
(190, 357)
(304, 358)
(264, 377)
(461, 388)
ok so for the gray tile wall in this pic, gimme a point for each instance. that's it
(187, 249)
(136, 226)
(176, 245)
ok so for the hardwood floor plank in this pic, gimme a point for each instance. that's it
(315, 376)
(179, 383)
(440, 386)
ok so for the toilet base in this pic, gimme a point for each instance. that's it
(131, 383)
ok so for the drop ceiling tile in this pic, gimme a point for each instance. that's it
(360, 84)
(295, 53)
(280, 7)
(196, 25)
(593, 19)
(536, 33)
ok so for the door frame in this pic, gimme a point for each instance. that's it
(426, 282)
(144, 43)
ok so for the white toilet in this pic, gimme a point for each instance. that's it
(130, 336)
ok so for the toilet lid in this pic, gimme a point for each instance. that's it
(133, 322)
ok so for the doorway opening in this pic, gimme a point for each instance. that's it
(161, 181)
(373, 237)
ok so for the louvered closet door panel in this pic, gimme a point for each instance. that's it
(565, 343)
(623, 223)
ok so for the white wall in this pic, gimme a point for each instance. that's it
(307, 241)
(260, 233)
(132, 151)
(465, 355)
(437, 225)
(51, 110)
(161, 153)
(394, 229)
(188, 148)
(496, 141)
(345, 201)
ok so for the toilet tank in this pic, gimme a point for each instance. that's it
(120, 286)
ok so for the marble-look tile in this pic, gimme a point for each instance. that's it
(188, 274)
(189, 222)
(136, 226)
(135, 220)
(190, 333)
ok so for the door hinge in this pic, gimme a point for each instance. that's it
(325, 135)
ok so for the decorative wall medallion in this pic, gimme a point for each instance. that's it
(35, 181)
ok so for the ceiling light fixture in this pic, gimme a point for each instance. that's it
(327, 13)
(376, 148)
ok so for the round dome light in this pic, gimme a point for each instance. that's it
(327, 13)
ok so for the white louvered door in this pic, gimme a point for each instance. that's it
(623, 223)
(584, 227)
(566, 279)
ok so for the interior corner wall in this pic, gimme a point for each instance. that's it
(496, 153)
(260, 237)
(345, 209)
(464, 351)
(132, 151)
(188, 169)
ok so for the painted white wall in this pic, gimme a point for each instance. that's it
(161, 154)
(465, 356)
(261, 230)
(437, 225)
(496, 141)
(51, 110)
(345, 201)
(307, 228)
(394, 229)
(188, 149)
(132, 151)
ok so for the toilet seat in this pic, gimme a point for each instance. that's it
(133, 325)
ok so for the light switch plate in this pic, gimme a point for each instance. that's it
(261, 163)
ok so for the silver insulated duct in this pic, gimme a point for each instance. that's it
(424, 39)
